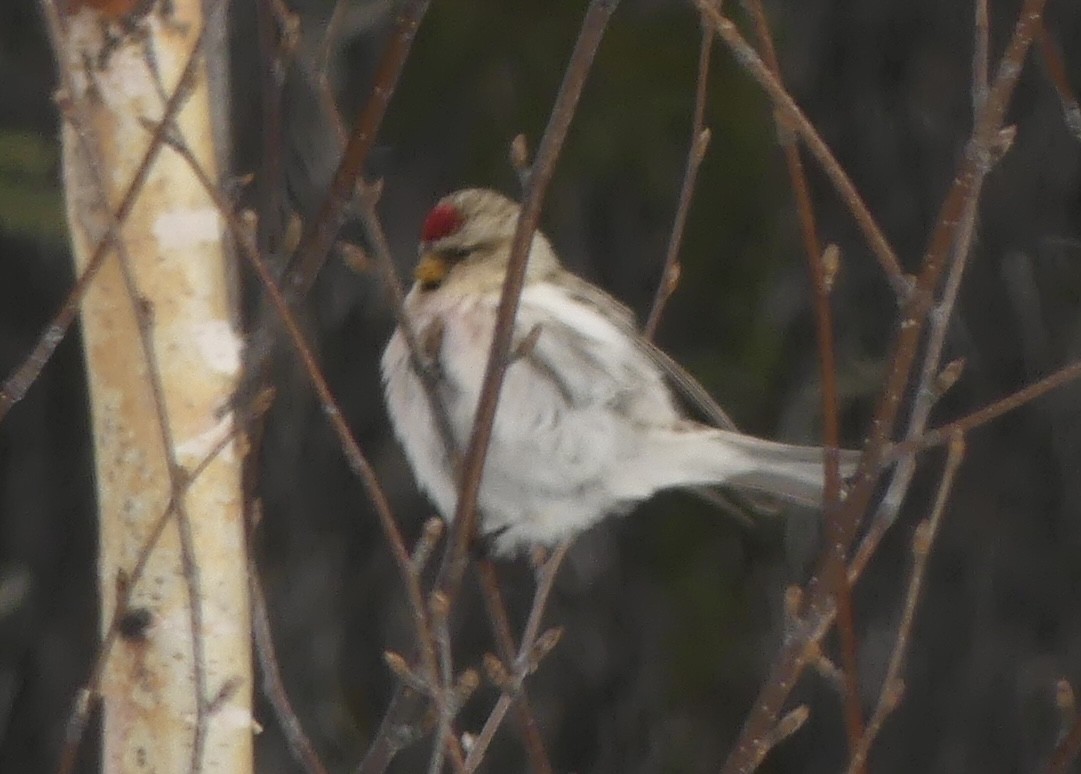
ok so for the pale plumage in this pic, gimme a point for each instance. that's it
(586, 425)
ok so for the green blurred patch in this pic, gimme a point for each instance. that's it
(30, 200)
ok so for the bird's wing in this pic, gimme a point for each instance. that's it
(582, 349)
(686, 386)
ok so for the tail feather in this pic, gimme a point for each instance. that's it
(688, 459)
(795, 473)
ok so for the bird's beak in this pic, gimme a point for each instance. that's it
(431, 269)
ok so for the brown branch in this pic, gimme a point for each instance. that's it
(893, 683)
(941, 435)
(462, 530)
(526, 660)
(425, 371)
(439, 610)
(320, 232)
(979, 155)
(980, 58)
(821, 284)
(819, 611)
(1056, 73)
(746, 56)
(273, 685)
(699, 142)
(497, 614)
(327, 43)
(1067, 750)
(925, 392)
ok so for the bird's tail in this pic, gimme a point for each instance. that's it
(794, 473)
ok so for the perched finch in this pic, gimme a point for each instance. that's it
(586, 424)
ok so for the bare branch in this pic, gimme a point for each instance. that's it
(695, 154)
(980, 58)
(941, 435)
(1056, 73)
(820, 291)
(273, 685)
(525, 662)
(820, 611)
(1069, 744)
(570, 90)
(924, 537)
(497, 614)
(745, 55)
(319, 234)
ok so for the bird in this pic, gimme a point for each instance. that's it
(587, 424)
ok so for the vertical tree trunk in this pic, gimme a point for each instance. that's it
(165, 709)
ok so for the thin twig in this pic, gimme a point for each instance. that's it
(323, 74)
(425, 371)
(925, 393)
(1056, 73)
(440, 616)
(821, 285)
(1067, 750)
(273, 686)
(695, 154)
(747, 57)
(497, 614)
(978, 158)
(941, 435)
(893, 683)
(326, 44)
(523, 664)
(980, 57)
(819, 610)
(462, 529)
(321, 231)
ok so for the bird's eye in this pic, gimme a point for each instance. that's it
(457, 253)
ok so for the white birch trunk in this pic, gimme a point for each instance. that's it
(173, 238)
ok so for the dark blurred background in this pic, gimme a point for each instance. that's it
(672, 615)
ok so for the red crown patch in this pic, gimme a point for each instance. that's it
(442, 221)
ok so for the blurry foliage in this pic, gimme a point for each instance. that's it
(30, 200)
